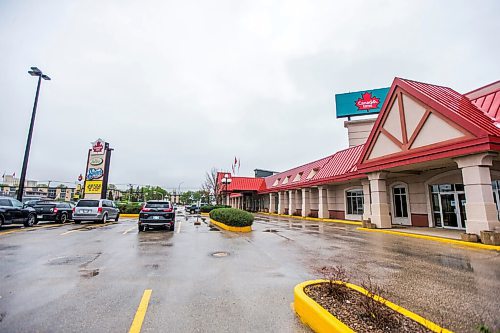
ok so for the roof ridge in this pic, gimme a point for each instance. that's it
(428, 84)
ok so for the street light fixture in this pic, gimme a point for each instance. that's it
(33, 72)
(226, 180)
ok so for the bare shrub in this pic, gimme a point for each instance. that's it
(375, 310)
(337, 278)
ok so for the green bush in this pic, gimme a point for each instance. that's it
(232, 217)
(129, 207)
(209, 208)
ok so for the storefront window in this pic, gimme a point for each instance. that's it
(354, 199)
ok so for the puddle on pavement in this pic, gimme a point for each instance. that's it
(71, 260)
(152, 266)
(4, 247)
(89, 273)
(220, 254)
(270, 230)
(213, 229)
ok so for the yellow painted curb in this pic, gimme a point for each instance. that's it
(230, 228)
(314, 219)
(320, 320)
(130, 215)
(436, 239)
(205, 214)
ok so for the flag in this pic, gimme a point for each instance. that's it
(235, 160)
(239, 163)
(14, 174)
(232, 167)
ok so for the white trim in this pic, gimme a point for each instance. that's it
(354, 217)
(408, 203)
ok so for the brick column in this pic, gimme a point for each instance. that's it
(306, 201)
(380, 208)
(323, 202)
(480, 206)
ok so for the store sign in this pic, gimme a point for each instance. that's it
(360, 103)
(93, 187)
(95, 161)
(98, 146)
(95, 173)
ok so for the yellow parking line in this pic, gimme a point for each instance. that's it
(87, 227)
(141, 312)
(125, 232)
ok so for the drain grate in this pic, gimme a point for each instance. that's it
(220, 254)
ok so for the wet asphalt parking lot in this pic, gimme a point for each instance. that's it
(91, 277)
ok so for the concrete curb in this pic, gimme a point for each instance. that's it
(320, 320)
(130, 215)
(230, 228)
(436, 239)
(314, 219)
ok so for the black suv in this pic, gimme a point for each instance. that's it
(193, 209)
(157, 214)
(13, 211)
(53, 211)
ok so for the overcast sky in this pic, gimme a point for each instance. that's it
(179, 87)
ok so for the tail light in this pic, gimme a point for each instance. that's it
(169, 210)
(99, 210)
(56, 210)
(146, 210)
(74, 209)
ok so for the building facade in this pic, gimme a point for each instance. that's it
(430, 158)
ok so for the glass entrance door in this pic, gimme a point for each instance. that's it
(453, 210)
(448, 205)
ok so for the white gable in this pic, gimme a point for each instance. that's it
(436, 130)
(393, 122)
(383, 146)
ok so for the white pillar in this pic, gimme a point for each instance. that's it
(479, 206)
(380, 208)
(292, 206)
(367, 212)
(281, 202)
(272, 203)
(306, 202)
(323, 202)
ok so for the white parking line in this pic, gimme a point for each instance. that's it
(130, 229)
(68, 232)
(179, 227)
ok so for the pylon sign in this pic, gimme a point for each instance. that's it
(96, 175)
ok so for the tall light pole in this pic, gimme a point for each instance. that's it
(179, 192)
(33, 72)
(226, 180)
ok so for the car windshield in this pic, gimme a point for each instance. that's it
(5, 202)
(45, 203)
(157, 205)
(88, 203)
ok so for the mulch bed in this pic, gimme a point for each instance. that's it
(352, 314)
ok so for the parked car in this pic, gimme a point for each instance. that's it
(193, 209)
(53, 211)
(157, 213)
(100, 210)
(13, 211)
(32, 202)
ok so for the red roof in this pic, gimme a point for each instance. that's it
(339, 166)
(487, 99)
(240, 183)
(450, 100)
(457, 108)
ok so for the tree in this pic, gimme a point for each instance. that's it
(211, 186)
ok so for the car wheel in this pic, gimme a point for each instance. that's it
(141, 228)
(104, 218)
(172, 227)
(64, 218)
(117, 217)
(1, 220)
(30, 221)
(78, 222)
